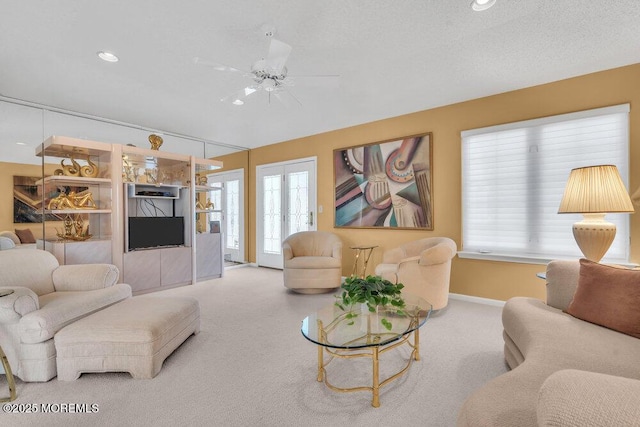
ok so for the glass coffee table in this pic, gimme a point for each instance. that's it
(360, 333)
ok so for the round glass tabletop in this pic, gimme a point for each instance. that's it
(357, 327)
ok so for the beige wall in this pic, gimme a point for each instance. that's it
(498, 280)
(489, 279)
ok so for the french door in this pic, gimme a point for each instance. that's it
(285, 204)
(230, 212)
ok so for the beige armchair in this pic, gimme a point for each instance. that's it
(47, 297)
(312, 262)
(423, 267)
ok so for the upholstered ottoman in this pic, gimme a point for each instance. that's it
(135, 336)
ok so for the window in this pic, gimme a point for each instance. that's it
(514, 177)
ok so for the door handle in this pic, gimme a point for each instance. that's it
(310, 218)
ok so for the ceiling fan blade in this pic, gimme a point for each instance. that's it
(277, 56)
(240, 95)
(219, 67)
(324, 80)
(286, 97)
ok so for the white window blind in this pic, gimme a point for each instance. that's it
(514, 177)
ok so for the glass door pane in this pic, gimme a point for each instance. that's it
(272, 214)
(298, 203)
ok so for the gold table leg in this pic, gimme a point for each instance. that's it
(366, 254)
(375, 402)
(416, 343)
(10, 380)
(320, 355)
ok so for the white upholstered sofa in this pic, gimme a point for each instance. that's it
(46, 298)
(6, 235)
(565, 371)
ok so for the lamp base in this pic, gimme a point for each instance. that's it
(594, 236)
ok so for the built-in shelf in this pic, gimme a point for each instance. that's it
(204, 188)
(72, 180)
(152, 191)
(76, 211)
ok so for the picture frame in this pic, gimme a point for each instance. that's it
(385, 185)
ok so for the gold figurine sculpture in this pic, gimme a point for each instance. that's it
(88, 171)
(156, 141)
(73, 200)
(74, 229)
(71, 170)
(201, 179)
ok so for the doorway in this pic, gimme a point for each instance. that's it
(231, 212)
(285, 204)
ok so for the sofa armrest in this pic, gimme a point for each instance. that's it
(287, 251)
(336, 251)
(22, 301)
(84, 277)
(438, 254)
(562, 281)
(410, 260)
(579, 398)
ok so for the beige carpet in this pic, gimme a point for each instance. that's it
(251, 366)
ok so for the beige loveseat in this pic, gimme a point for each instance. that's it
(46, 298)
(565, 371)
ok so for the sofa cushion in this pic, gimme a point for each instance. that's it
(58, 309)
(25, 236)
(580, 398)
(608, 296)
(6, 243)
(11, 235)
(84, 277)
(29, 268)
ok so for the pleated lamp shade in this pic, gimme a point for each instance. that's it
(595, 191)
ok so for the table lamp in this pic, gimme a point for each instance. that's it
(595, 191)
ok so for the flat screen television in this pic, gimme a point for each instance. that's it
(155, 232)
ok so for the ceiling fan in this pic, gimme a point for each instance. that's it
(269, 75)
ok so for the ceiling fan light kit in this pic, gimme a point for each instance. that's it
(107, 56)
(268, 74)
(480, 5)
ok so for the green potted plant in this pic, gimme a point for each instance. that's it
(374, 291)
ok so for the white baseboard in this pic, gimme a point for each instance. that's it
(478, 300)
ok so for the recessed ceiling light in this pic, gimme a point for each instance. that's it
(480, 5)
(107, 56)
(21, 143)
(237, 102)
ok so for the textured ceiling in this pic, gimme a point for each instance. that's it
(393, 57)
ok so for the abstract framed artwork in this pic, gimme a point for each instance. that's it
(385, 184)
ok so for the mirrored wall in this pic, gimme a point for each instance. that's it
(23, 127)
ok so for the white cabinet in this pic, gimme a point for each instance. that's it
(150, 270)
(100, 188)
(77, 200)
(209, 259)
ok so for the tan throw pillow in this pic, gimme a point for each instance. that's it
(608, 296)
(25, 236)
